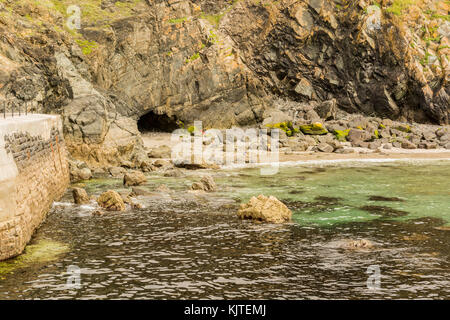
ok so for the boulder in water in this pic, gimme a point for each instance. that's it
(111, 201)
(267, 209)
(80, 196)
(207, 184)
(135, 178)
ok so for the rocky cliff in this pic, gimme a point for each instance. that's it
(227, 63)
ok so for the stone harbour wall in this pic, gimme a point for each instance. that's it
(33, 173)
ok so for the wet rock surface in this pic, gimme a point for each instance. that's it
(80, 196)
(265, 209)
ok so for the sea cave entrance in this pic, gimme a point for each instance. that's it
(152, 122)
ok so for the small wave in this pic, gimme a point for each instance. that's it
(88, 207)
(62, 204)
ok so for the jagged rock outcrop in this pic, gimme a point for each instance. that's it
(155, 63)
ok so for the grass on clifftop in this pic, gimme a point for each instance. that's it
(91, 10)
(398, 6)
(44, 12)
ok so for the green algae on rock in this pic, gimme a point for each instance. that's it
(313, 129)
(341, 135)
(286, 126)
(43, 251)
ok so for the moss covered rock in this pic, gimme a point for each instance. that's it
(341, 135)
(403, 127)
(313, 129)
(286, 126)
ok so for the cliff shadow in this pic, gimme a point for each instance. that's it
(152, 122)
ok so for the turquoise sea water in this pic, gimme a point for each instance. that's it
(187, 246)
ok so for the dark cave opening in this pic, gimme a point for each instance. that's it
(152, 122)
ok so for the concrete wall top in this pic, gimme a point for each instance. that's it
(35, 125)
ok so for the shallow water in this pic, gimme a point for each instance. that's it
(183, 246)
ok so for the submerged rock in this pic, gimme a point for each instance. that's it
(174, 173)
(39, 252)
(328, 200)
(111, 201)
(80, 196)
(443, 228)
(163, 188)
(135, 178)
(207, 184)
(197, 166)
(266, 209)
(139, 192)
(125, 196)
(381, 198)
(416, 237)
(385, 211)
(357, 244)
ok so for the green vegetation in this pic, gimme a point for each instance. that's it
(287, 127)
(86, 46)
(404, 128)
(213, 37)
(438, 16)
(179, 20)
(376, 135)
(192, 130)
(341, 135)
(424, 61)
(42, 251)
(398, 6)
(214, 19)
(91, 10)
(195, 56)
(314, 129)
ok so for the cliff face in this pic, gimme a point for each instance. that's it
(223, 62)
